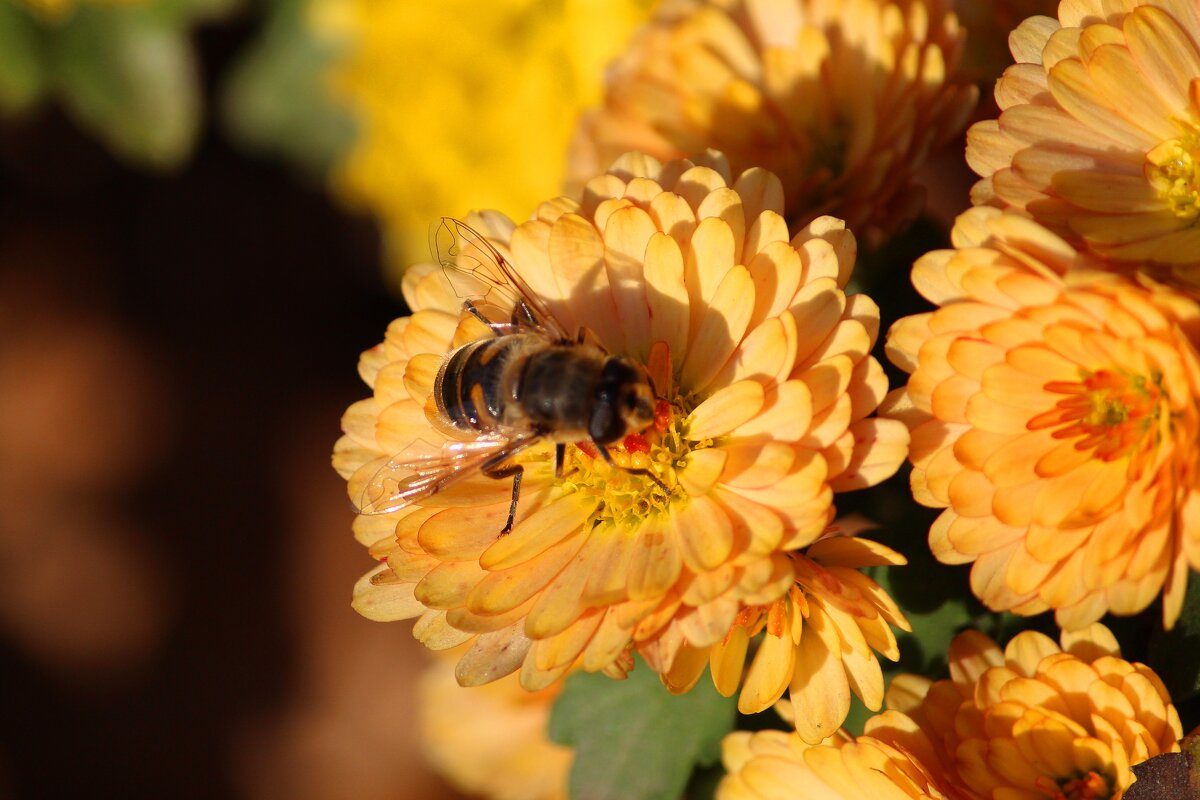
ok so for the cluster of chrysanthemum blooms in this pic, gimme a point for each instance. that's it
(1052, 405)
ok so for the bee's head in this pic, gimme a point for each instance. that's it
(624, 401)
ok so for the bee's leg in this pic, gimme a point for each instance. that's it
(560, 453)
(516, 471)
(585, 336)
(523, 316)
(497, 328)
(644, 472)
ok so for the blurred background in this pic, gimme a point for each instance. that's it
(178, 337)
(192, 256)
(196, 242)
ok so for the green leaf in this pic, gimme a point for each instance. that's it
(22, 69)
(1181, 675)
(634, 740)
(274, 100)
(129, 76)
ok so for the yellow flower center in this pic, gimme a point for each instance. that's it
(1089, 786)
(1173, 169)
(1108, 410)
(629, 494)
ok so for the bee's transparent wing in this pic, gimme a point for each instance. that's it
(423, 469)
(477, 271)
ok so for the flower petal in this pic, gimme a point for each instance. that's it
(540, 531)
(725, 410)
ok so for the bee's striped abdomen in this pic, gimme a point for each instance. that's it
(468, 388)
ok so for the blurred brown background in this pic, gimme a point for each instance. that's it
(175, 551)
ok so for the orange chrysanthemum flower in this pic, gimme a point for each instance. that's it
(841, 99)
(763, 367)
(1099, 135)
(491, 740)
(773, 765)
(819, 639)
(1056, 419)
(1037, 720)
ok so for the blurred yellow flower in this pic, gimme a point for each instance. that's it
(491, 740)
(819, 639)
(842, 99)
(1054, 414)
(773, 765)
(463, 105)
(1038, 720)
(763, 369)
(1099, 135)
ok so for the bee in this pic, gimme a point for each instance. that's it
(528, 382)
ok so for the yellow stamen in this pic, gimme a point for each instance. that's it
(629, 497)
(1089, 786)
(1173, 169)
(1108, 412)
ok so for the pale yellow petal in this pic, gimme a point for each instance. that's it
(377, 596)
(656, 562)
(704, 534)
(666, 294)
(819, 690)
(543, 529)
(720, 330)
(725, 410)
(769, 674)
